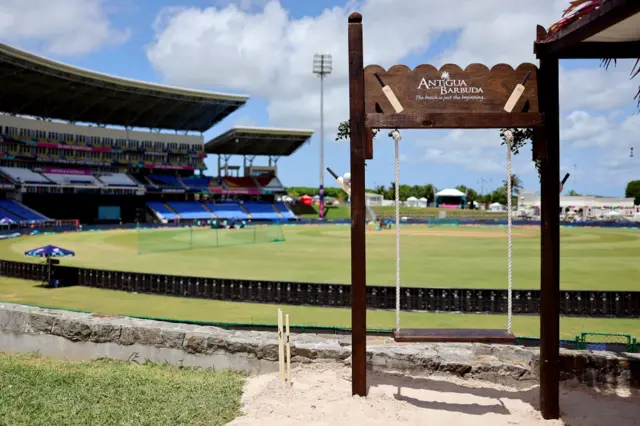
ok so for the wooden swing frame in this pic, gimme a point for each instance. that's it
(574, 41)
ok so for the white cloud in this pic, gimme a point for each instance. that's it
(269, 54)
(474, 150)
(610, 164)
(502, 33)
(64, 27)
(584, 130)
(243, 4)
(596, 87)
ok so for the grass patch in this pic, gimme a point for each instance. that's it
(38, 391)
(121, 303)
(449, 257)
(344, 212)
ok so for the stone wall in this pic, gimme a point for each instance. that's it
(80, 336)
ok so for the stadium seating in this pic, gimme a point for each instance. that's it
(62, 179)
(117, 179)
(162, 210)
(263, 180)
(190, 209)
(240, 182)
(4, 214)
(138, 180)
(19, 212)
(218, 183)
(197, 183)
(227, 210)
(24, 175)
(270, 182)
(165, 180)
(286, 212)
(262, 211)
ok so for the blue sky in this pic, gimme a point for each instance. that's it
(265, 48)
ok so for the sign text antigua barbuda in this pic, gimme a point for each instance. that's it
(447, 88)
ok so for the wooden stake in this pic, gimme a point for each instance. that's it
(280, 346)
(288, 346)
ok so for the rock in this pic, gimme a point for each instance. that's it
(41, 322)
(196, 342)
(511, 365)
(104, 332)
(72, 329)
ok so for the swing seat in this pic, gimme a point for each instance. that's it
(453, 335)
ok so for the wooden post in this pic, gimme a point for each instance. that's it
(550, 241)
(281, 365)
(288, 347)
(358, 209)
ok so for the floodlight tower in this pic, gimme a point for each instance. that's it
(322, 67)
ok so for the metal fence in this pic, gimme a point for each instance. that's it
(619, 304)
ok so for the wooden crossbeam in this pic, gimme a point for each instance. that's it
(454, 120)
(599, 50)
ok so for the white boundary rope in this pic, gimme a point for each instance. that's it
(397, 138)
(509, 139)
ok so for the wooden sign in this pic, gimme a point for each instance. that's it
(426, 89)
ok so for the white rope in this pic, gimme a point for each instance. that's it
(509, 139)
(396, 138)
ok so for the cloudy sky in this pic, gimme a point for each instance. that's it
(264, 48)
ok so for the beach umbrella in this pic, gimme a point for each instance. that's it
(49, 251)
(6, 221)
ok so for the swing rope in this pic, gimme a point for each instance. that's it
(396, 139)
(509, 139)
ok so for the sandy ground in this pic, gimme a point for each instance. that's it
(321, 395)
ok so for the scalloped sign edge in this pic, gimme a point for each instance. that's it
(429, 89)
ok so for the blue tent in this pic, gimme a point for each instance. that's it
(49, 251)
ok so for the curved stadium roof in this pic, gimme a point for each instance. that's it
(39, 87)
(263, 141)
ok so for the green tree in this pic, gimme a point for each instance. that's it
(428, 192)
(633, 191)
(499, 195)
(573, 193)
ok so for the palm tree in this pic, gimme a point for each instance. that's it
(429, 192)
(516, 184)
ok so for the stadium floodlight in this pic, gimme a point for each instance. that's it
(322, 67)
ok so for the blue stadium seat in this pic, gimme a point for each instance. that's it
(262, 211)
(190, 209)
(227, 210)
(7, 214)
(197, 183)
(20, 212)
(165, 180)
(159, 207)
(286, 212)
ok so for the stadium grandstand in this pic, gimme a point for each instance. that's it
(85, 146)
